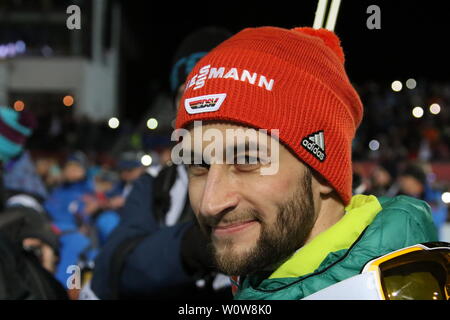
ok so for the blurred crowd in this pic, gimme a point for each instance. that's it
(78, 189)
(398, 133)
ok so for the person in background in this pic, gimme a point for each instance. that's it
(67, 209)
(103, 205)
(157, 219)
(130, 168)
(413, 181)
(49, 171)
(382, 177)
(20, 179)
(29, 244)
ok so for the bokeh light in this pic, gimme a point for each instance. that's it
(146, 160)
(19, 105)
(435, 108)
(68, 101)
(152, 123)
(374, 145)
(446, 197)
(113, 123)
(417, 112)
(411, 84)
(396, 86)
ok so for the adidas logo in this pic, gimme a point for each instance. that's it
(315, 144)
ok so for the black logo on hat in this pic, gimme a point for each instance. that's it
(315, 144)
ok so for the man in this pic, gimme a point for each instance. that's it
(297, 229)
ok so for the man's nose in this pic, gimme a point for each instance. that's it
(220, 194)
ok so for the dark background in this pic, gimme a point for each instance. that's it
(412, 41)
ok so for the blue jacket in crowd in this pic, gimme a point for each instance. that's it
(62, 205)
(154, 265)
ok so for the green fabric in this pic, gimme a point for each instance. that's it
(403, 221)
(359, 214)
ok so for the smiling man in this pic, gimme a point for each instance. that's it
(298, 230)
(255, 221)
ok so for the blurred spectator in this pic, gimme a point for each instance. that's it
(29, 245)
(130, 168)
(49, 171)
(19, 172)
(67, 209)
(388, 119)
(21, 177)
(413, 181)
(133, 264)
(103, 204)
(380, 182)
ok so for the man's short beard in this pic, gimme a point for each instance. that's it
(294, 222)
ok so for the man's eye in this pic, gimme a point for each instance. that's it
(247, 163)
(198, 168)
(246, 159)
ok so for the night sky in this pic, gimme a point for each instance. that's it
(412, 42)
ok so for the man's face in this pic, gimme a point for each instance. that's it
(253, 221)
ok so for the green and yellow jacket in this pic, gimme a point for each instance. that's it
(371, 227)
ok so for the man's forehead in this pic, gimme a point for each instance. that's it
(231, 133)
(220, 125)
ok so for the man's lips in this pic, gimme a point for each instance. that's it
(232, 227)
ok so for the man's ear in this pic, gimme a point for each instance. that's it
(325, 188)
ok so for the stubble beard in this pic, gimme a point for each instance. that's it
(277, 242)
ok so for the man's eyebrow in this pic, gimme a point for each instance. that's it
(193, 154)
(247, 146)
(231, 149)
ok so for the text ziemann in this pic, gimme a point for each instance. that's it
(206, 72)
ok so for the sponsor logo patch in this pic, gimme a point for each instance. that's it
(207, 72)
(315, 144)
(208, 103)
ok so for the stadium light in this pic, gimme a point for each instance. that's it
(68, 101)
(146, 160)
(374, 145)
(19, 105)
(446, 197)
(396, 86)
(113, 123)
(411, 83)
(20, 46)
(417, 112)
(152, 123)
(435, 108)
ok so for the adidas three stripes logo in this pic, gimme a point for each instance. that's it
(315, 144)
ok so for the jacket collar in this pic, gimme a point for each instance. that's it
(359, 214)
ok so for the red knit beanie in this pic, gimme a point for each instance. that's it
(290, 80)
